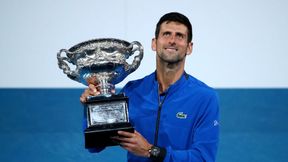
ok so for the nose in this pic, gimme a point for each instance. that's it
(172, 39)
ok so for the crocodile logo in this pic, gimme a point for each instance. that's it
(181, 115)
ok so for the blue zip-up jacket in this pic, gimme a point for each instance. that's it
(188, 128)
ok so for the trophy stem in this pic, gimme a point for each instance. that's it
(106, 88)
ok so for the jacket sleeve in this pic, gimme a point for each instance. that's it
(205, 137)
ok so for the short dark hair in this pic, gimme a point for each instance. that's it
(175, 17)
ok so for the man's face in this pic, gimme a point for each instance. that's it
(171, 45)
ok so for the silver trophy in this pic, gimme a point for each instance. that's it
(102, 62)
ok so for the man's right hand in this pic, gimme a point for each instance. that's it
(90, 91)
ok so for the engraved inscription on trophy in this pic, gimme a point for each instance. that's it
(102, 62)
(102, 113)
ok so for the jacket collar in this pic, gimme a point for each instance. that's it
(175, 86)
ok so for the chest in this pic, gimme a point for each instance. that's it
(175, 112)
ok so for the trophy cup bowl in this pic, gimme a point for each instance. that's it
(102, 62)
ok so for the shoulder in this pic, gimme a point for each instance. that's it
(139, 84)
(206, 96)
(202, 89)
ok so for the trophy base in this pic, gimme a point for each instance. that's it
(106, 116)
(96, 137)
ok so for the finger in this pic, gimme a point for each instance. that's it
(93, 90)
(126, 134)
(115, 139)
(127, 146)
(83, 99)
(87, 92)
(121, 138)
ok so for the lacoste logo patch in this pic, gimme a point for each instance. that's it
(181, 115)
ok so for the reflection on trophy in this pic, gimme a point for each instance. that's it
(102, 62)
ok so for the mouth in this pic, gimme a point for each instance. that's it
(171, 49)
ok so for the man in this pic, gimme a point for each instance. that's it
(175, 116)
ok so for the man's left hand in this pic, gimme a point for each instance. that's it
(134, 143)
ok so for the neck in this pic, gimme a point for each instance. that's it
(168, 75)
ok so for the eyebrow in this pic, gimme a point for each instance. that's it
(180, 34)
(166, 32)
(177, 33)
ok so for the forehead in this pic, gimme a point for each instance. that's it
(173, 26)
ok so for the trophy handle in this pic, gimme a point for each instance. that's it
(64, 66)
(136, 47)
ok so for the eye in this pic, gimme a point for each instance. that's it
(180, 36)
(166, 34)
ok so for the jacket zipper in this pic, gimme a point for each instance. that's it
(158, 117)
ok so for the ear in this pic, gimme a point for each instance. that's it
(153, 44)
(189, 48)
